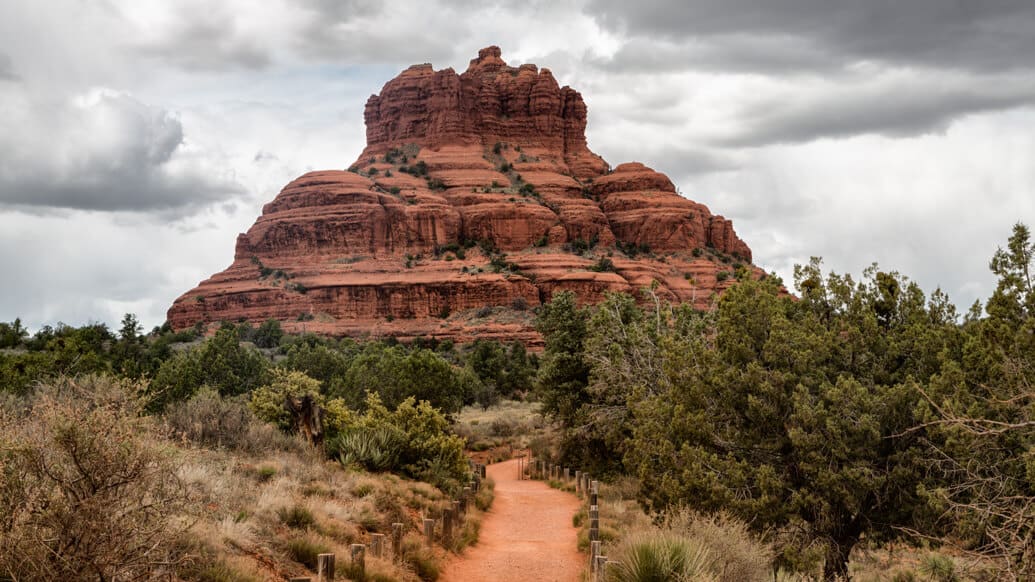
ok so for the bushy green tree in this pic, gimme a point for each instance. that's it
(797, 415)
(981, 417)
(395, 373)
(221, 363)
(563, 372)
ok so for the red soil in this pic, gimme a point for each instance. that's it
(526, 535)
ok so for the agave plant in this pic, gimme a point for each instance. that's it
(661, 557)
(375, 449)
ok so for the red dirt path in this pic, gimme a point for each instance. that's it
(527, 535)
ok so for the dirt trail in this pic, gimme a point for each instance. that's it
(527, 535)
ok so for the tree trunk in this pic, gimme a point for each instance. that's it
(835, 564)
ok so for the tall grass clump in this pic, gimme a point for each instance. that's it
(661, 557)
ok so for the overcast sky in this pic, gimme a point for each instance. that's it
(138, 137)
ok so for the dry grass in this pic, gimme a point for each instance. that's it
(502, 429)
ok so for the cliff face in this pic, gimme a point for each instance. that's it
(475, 199)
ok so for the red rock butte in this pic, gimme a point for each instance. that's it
(475, 200)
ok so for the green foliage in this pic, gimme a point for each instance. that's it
(659, 557)
(296, 516)
(413, 439)
(563, 372)
(395, 373)
(269, 334)
(305, 551)
(790, 414)
(603, 265)
(938, 568)
(267, 402)
(375, 448)
(12, 334)
(221, 363)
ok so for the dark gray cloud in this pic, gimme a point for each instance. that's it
(203, 41)
(736, 53)
(897, 107)
(104, 151)
(7, 69)
(982, 35)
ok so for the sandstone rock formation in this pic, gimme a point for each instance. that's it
(475, 199)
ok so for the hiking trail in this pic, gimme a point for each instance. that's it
(526, 535)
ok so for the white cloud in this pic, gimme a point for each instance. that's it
(821, 129)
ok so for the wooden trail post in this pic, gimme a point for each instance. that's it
(325, 567)
(578, 482)
(397, 541)
(567, 474)
(594, 523)
(447, 525)
(359, 562)
(465, 498)
(594, 490)
(594, 551)
(377, 545)
(429, 531)
(601, 570)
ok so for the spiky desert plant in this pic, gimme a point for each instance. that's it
(661, 557)
(375, 449)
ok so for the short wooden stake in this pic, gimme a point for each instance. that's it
(594, 551)
(325, 567)
(447, 525)
(567, 474)
(601, 569)
(359, 561)
(397, 541)
(377, 545)
(594, 488)
(578, 482)
(429, 531)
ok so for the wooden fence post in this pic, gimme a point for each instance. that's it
(429, 531)
(601, 568)
(325, 567)
(578, 482)
(447, 524)
(594, 551)
(359, 562)
(377, 545)
(456, 512)
(567, 474)
(397, 541)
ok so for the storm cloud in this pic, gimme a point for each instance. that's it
(102, 151)
(137, 138)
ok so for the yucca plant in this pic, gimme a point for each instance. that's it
(661, 557)
(375, 449)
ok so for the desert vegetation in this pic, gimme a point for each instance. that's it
(858, 415)
(862, 429)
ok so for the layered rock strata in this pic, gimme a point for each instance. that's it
(475, 200)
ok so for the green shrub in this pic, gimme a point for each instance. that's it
(305, 550)
(372, 448)
(939, 568)
(296, 516)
